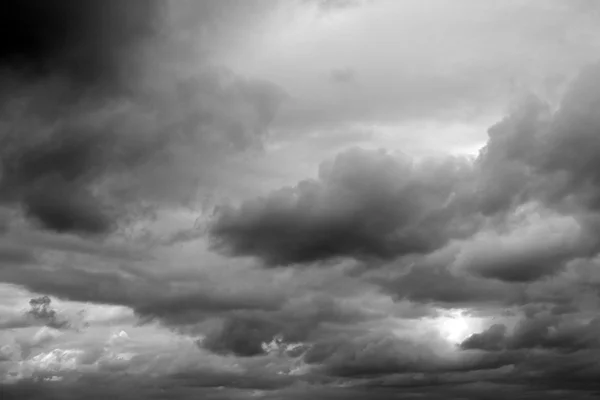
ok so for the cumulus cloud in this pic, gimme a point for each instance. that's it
(490, 339)
(511, 229)
(89, 157)
(364, 204)
(105, 148)
(371, 204)
(123, 124)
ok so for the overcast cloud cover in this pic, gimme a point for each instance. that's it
(299, 199)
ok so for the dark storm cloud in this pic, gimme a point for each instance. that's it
(431, 282)
(542, 331)
(370, 354)
(374, 205)
(296, 321)
(451, 277)
(555, 352)
(441, 233)
(538, 154)
(83, 40)
(531, 249)
(151, 296)
(245, 312)
(241, 336)
(507, 230)
(74, 159)
(491, 339)
(365, 204)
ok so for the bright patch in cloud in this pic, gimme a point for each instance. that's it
(456, 325)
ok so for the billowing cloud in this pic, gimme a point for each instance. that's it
(364, 204)
(369, 204)
(89, 158)
(241, 336)
(430, 280)
(545, 331)
(491, 339)
(158, 187)
(105, 148)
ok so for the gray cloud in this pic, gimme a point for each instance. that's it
(11, 255)
(432, 282)
(368, 204)
(101, 387)
(101, 135)
(482, 249)
(540, 154)
(546, 331)
(41, 310)
(241, 336)
(82, 40)
(237, 315)
(364, 204)
(490, 339)
(516, 223)
(88, 157)
(41, 313)
(371, 355)
(297, 321)
(139, 291)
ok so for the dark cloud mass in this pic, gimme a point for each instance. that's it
(543, 331)
(95, 121)
(364, 204)
(383, 276)
(84, 40)
(514, 229)
(241, 336)
(372, 204)
(81, 45)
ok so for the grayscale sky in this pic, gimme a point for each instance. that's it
(299, 199)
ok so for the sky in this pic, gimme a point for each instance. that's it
(299, 199)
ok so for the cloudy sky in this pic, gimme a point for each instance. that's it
(299, 199)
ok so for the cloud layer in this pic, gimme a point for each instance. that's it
(164, 231)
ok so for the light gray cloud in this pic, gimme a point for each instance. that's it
(421, 62)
